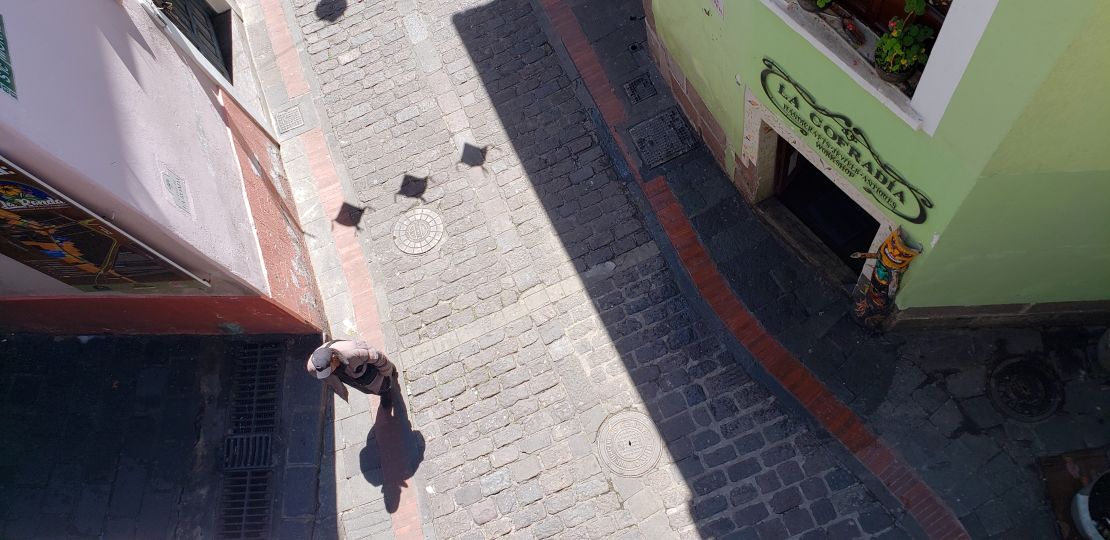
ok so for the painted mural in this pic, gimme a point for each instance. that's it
(43, 230)
(874, 300)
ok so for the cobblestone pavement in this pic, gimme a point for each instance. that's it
(105, 438)
(547, 306)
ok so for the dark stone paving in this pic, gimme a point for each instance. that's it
(921, 391)
(108, 438)
(121, 437)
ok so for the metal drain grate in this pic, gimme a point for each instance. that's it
(662, 138)
(247, 459)
(249, 515)
(243, 452)
(640, 88)
(289, 119)
(254, 393)
(1025, 389)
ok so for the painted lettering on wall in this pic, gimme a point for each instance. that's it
(844, 146)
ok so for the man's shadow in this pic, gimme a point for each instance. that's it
(393, 451)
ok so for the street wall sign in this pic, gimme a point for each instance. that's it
(7, 77)
(844, 145)
(45, 230)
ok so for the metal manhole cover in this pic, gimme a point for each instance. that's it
(418, 231)
(662, 138)
(289, 119)
(1025, 389)
(640, 88)
(628, 444)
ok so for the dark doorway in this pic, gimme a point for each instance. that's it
(828, 212)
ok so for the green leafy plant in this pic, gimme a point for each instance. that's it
(823, 3)
(903, 47)
(917, 7)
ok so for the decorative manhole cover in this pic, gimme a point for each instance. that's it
(639, 89)
(418, 231)
(1025, 389)
(662, 138)
(628, 444)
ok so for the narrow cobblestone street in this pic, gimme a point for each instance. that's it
(646, 269)
(547, 307)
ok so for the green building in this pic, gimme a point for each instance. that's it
(993, 158)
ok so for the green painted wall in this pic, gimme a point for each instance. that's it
(1038, 221)
(1022, 239)
(1065, 127)
(1027, 63)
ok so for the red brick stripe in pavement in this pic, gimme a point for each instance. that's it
(281, 42)
(922, 503)
(406, 520)
(930, 512)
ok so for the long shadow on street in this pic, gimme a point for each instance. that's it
(393, 452)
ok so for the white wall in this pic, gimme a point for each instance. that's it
(105, 102)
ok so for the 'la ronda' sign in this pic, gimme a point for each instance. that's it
(844, 146)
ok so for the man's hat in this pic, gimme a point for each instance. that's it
(321, 360)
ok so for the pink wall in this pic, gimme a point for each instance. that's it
(105, 103)
(288, 269)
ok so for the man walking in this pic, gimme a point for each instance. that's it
(356, 364)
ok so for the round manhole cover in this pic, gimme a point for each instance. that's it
(1025, 389)
(418, 231)
(628, 444)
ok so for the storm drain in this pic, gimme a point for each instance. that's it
(245, 494)
(1025, 389)
(242, 452)
(254, 392)
(289, 119)
(662, 138)
(249, 515)
(639, 89)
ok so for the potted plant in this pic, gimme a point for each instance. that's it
(902, 49)
(814, 5)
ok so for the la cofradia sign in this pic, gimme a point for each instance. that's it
(844, 145)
